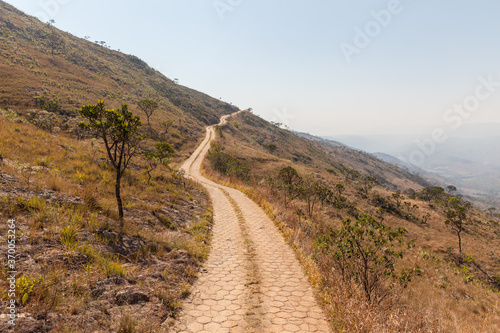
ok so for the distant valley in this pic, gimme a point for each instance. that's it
(468, 159)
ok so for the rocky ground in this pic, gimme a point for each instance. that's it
(81, 274)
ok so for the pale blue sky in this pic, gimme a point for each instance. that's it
(283, 57)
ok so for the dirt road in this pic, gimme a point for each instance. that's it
(252, 281)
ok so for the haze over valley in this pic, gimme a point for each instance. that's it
(468, 158)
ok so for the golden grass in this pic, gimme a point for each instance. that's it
(443, 297)
(67, 239)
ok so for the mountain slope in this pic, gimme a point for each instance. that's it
(253, 136)
(79, 266)
(39, 63)
(449, 291)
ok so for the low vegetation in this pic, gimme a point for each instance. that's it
(80, 264)
(51, 74)
(380, 247)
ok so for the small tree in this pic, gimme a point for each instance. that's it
(340, 189)
(368, 183)
(324, 193)
(272, 147)
(165, 127)
(180, 176)
(398, 198)
(364, 252)
(119, 129)
(225, 163)
(55, 42)
(28, 172)
(309, 192)
(52, 106)
(148, 107)
(162, 154)
(351, 174)
(457, 217)
(288, 180)
(432, 193)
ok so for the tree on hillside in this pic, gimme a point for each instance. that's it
(289, 179)
(351, 174)
(432, 193)
(368, 183)
(365, 253)
(225, 163)
(451, 188)
(119, 129)
(340, 189)
(457, 217)
(398, 198)
(165, 126)
(308, 191)
(272, 147)
(324, 193)
(52, 106)
(55, 42)
(148, 107)
(162, 154)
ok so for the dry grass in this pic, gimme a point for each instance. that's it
(70, 247)
(85, 72)
(443, 297)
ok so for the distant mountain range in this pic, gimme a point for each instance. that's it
(469, 158)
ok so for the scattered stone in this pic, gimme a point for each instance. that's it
(132, 295)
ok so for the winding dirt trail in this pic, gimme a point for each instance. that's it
(252, 281)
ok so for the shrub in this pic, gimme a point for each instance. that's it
(364, 252)
(225, 163)
(272, 147)
(26, 287)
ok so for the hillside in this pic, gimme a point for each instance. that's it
(40, 64)
(253, 137)
(447, 290)
(80, 267)
(77, 267)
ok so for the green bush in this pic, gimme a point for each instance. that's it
(364, 252)
(225, 163)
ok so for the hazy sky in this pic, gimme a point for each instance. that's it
(325, 67)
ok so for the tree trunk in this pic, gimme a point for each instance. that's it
(459, 242)
(118, 196)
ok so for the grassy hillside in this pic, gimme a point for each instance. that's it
(77, 266)
(449, 291)
(249, 138)
(40, 64)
